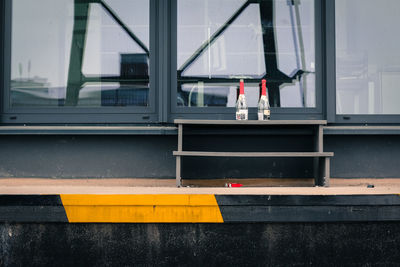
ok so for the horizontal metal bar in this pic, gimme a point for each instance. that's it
(218, 80)
(86, 130)
(230, 80)
(254, 154)
(362, 130)
(117, 79)
(252, 122)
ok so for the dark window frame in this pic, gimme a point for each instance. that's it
(163, 109)
(2, 55)
(83, 115)
(228, 112)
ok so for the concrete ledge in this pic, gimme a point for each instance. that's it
(261, 186)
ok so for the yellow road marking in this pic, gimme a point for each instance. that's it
(142, 208)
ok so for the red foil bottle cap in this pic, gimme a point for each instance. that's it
(264, 87)
(241, 87)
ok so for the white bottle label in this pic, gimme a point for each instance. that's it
(246, 114)
(242, 115)
(262, 115)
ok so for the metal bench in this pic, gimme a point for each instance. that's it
(321, 159)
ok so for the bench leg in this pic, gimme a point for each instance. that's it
(178, 172)
(327, 172)
(178, 158)
(322, 171)
(317, 173)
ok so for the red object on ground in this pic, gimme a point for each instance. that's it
(235, 185)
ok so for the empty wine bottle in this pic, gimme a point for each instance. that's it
(264, 111)
(241, 105)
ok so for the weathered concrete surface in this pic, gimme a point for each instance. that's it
(300, 244)
(167, 186)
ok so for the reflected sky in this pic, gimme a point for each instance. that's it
(42, 36)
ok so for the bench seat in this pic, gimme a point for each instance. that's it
(254, 154)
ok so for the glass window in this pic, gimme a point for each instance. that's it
(367, 56)
(91, 53)
(222, 41)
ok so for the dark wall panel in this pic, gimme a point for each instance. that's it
(148, 156)
(365, 156)
(87, 156)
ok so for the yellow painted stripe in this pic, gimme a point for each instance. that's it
(142, 208)
(139, 200)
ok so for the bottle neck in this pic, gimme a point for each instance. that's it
(264, 88)
(241, 88)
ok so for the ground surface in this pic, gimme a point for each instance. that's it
(167, 186)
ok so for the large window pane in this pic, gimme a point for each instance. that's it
(367, 56)
(80, 53)
(222, 41)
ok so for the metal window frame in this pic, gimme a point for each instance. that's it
(330, 62)
(50, 115)
(163, 46)
(332, 116)
(163, 80)
(2, 55)
(227, 112)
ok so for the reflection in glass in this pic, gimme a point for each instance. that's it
(80, 53)
(222, 41)
(367, 57)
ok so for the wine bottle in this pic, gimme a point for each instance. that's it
(241, 105)
(264, 111)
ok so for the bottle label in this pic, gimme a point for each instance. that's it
(264, 115)
(242, 115)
